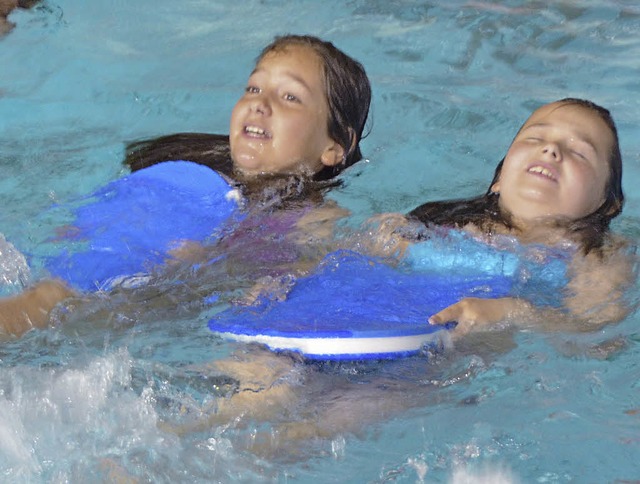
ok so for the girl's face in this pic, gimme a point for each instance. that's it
(280, 123)
(557, 165)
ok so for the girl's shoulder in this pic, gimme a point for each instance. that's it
(618, 257)
(602, 282)
(616, 249)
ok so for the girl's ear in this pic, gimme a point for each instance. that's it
(495, 188)
(336, 154)
(333, 155)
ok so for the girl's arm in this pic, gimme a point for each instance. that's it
(382, 236)
(18, 314)
(596, 296)
(598, 292)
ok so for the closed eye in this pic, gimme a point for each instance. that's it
(579, 154)
(582, 150)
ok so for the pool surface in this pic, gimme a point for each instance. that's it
(86, 400)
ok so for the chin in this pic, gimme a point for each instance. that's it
(247, 162)
(246, 170)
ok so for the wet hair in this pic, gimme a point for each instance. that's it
(213, 150)
(207, 149)
(348, 94)
(484, 211)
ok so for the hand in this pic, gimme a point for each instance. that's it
(474, 314)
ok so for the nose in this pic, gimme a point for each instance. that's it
(261, 105)
(552, 150)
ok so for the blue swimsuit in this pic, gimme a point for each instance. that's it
(538, 273)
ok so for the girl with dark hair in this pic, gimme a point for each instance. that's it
(559, 185)
(298, 125)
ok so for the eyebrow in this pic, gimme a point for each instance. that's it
(289, 74)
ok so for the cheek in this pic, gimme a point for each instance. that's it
(592, 188)
(600, 190)
(234, 120)
(506, 179)
(290, 127)
(510, 163)
(296, 136)
(515, 157)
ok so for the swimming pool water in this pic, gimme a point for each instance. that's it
(452, 82)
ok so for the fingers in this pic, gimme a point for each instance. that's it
(467, 313)
(472, 313)
(447, 315)
(452, 318)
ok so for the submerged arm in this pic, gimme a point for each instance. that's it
(595, 296)
(18, 314)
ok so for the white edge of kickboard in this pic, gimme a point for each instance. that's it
(336, 347)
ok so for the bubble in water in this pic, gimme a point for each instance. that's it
(14, 270)
(420, 467)
(338, 447)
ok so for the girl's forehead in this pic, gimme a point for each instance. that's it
(569, 115)
(291, 53)
(298, 62)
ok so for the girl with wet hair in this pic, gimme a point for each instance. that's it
(298, 124)
(556, 190)
(275, 125)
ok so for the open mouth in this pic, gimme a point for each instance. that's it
(256, 132)
(541, 170)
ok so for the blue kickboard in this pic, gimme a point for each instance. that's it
(128, 227)
(356, 307)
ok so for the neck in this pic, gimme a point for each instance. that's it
(545, 230)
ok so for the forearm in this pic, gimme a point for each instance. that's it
(18, 314)
(475, 314)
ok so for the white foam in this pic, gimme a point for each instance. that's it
(490, 474)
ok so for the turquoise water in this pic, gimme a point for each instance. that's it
(452, 83)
